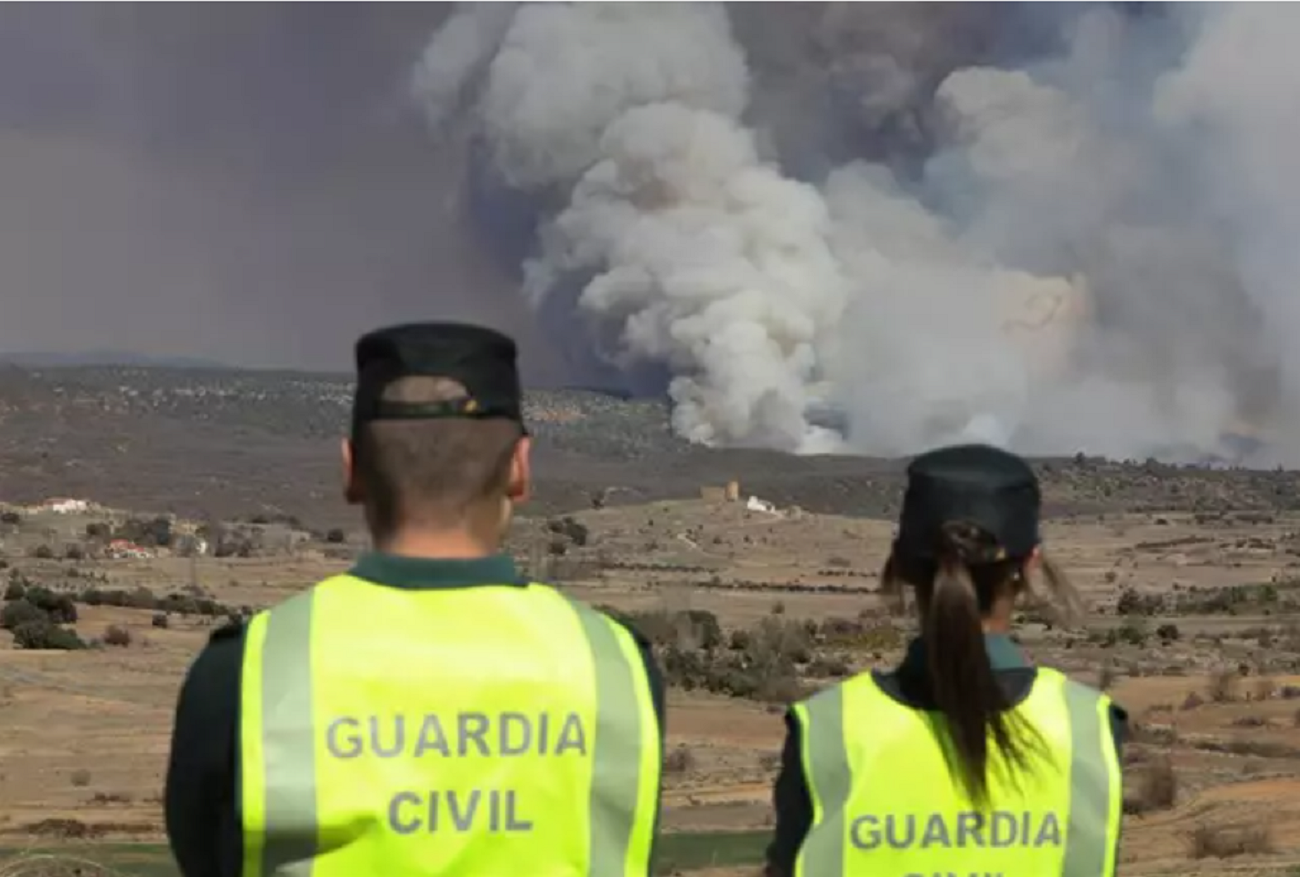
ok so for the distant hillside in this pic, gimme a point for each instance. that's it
(237, 442)
(48, 359)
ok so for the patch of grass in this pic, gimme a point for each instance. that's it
(677, 851)
(683, 851)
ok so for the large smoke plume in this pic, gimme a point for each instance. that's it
(1079, 238)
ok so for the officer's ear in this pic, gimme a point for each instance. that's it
(520, 485)
(353, 494)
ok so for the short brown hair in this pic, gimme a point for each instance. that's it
(431, 471)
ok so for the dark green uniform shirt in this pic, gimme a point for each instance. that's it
(202, 812)
(909, 684)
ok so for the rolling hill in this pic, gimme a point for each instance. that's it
(234, 442)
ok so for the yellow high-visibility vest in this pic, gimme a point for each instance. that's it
(886, 803)
(494, 731)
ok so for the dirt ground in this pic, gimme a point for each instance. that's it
(1213, 688)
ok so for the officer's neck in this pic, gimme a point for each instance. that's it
(439, 544)
(998, 620)
(996, 626)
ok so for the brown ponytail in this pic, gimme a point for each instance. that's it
(954, 594)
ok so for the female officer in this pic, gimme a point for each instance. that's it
(965, 759)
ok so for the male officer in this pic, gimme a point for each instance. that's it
(429, 712)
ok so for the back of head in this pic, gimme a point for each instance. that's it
(967, 535)
(436, 422)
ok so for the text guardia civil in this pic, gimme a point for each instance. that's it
(503, 735)
(515, 734)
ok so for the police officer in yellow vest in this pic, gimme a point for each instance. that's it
(965, 759)
(429, 712)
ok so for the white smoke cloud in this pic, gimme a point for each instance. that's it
(709, 261)
(566, 72)
(1094, 257)
(1237, 98)
(941, 335)
(1077, 167)
(699, 254)
(454, 59)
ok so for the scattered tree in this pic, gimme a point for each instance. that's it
(19, 612)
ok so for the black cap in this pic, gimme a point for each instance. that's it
(481, 359)
(993, 489)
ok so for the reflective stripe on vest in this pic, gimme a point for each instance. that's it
(342, 772)
(884, 801)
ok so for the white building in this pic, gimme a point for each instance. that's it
(66, 506)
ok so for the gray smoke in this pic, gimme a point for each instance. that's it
(248, 184)
(1082, 247)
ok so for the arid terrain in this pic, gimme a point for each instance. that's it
(1191, 576)
(1191, 626)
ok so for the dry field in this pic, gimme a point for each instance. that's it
(1194, 625)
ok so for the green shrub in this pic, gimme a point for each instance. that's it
(18, 612)
(696, 627)
(761, 663)
(574, 530)
(141, 598)
(1132, 602)
(42, 634)
(116, 635)
(1226, 841)
(154, 533)
(181, 604)
(60, 607)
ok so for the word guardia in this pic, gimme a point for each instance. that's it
(945, 831)
(506, 734)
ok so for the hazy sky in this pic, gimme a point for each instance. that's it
(246, 182)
